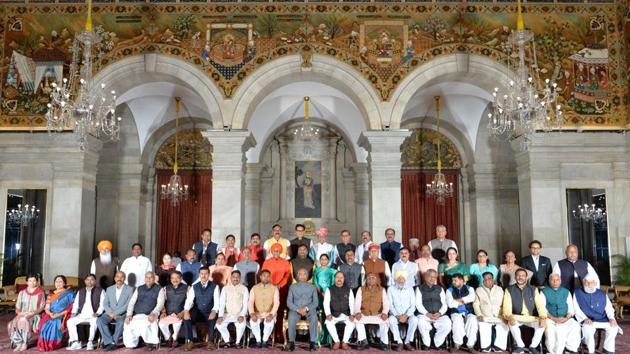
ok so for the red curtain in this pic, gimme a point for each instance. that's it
(421, 214)
(179, 227)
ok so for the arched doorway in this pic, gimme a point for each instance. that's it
(420, 213)
(178, 227)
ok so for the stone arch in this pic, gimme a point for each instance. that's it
(288, 69)
(124, 74)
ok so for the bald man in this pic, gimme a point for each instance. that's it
(573, 270)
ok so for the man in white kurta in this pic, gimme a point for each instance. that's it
(406, 266)
(561, 330)
(339, 307)
(371, 306)
(402, 307)
(487, 306)
(459, 298)
(431, 304)
(233, 308)
(142, 314)
(136, 266)
(85, 313)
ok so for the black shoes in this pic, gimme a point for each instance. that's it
(110, 347)
(363, 345)
(312, 347)
(290, 348)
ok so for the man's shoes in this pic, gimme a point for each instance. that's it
(533, 350)
(211, 345)
(454, 348)
(399, 347)
(518, 350)
(336, 346)
(188, 346)
(381, 346)
(572, 352)
(607, 352)
(174, 343)
(464, 348)
(151, 347)
(259, 344)
(486, 350)
(110, 347)
(238, 345)
(424, 347)
(90, 345)
(409, 347)
(312, 347)
(76, 345)
(496, 349)
(289, 348)
(345, 346)
(363, 345)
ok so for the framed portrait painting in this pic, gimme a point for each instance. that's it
(308, 189)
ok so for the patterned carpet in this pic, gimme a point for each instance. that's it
(623, 344)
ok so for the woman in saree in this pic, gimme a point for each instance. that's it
(323, 278)
(52, 327)
(28, 307)
(451, 267)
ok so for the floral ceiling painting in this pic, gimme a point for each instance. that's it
(584, 47)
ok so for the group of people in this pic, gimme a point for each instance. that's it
(394, 288)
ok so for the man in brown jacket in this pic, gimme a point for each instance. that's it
(371, 306)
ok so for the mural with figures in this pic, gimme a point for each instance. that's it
(581, 46)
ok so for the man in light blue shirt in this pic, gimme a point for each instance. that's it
(401, 310)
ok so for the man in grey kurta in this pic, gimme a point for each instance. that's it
(302, 302)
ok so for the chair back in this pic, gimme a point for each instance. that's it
(73, 282)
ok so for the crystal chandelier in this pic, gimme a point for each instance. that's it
(175, 190)
(23, 215)
(306, 132)
(75, 102)
(589, 213)
(439, 188)
(523, 108)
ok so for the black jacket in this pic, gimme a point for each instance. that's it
(540, 276)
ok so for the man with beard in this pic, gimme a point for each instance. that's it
(205, 249)
(402, 307)
(524, 306)
(390, 249)
(264, 301)
(201, 306)
(301, 261)
(86, 308)
(115, 304)
(276, 238)
(233, 308)
(594, 310)
(174, 305)
(573, 270)
(342, 248)
(322, 246)
(136, 266)
(299, 240)
(142, 314)
(362, 253)
(562, 330)
(460, 298)
(302, 301)
(431, 304)
(487, 307)
(371, 306)
(104, 266)
(338, 307)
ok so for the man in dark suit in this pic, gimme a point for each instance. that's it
(539, 265)
(206, 249)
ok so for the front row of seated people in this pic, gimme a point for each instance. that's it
(143, 312)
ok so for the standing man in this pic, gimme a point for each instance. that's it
(371, 306)
(338, 306)
(524, 306)
(402, 306)
(540, 266)
(276, 238)
(257, 253)
(280, 270)
(431, 304)
(353, 272)
(302, 301)
(460, 298)
(390, 248)
(136, 266)
(205, 249)
(426, 262)
(573, 270)
(362, 252)
(201, 306)
(115, 304)
(487, 307)
(143, 313)
(594, 310)
(440, 244)
(322, 246)
(407, 267)
(299, 240)
(264, 301)
(301, 261)
(104, 266)
(248, 268)
(414, 249)
(562, 330)
(233, 309)
(231, 253)
(377, 266)
(189, 268)
(86, 309)
(343, 247)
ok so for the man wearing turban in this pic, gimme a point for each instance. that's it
(104, 266)
(280, 270)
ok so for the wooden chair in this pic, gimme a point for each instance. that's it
(9, 293)
(73, 282)
(622, 298)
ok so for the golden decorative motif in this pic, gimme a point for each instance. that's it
(419, 151)
(195, 152)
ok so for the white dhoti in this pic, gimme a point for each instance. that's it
(559, 336)
(72, 324)
(442, 328)
(332, 329)
(166, 322)
(267, 329)
(240, 328)
(516, 333)
(485, 334)
(412, 324)
(140, 327)
(465, 325)
(383, 327)
(588, 335)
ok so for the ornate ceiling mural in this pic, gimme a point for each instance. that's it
(581, 46)
(419, 151)
(194, 152)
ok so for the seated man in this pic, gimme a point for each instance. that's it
(201, 306)
(233, 308)
(115, 304)
(338, 306)
(189, 268)
(374, 264)
(302, 301)
(562, 330)
(524, 306)
(353, 272)
(371, 306)
(460, 298)
(142, 314)
(402, 307)
(248, 268)
(431, 304)
(173, 311)
(594, 310)
(487, 307)
(86, 308)
(264, 301)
